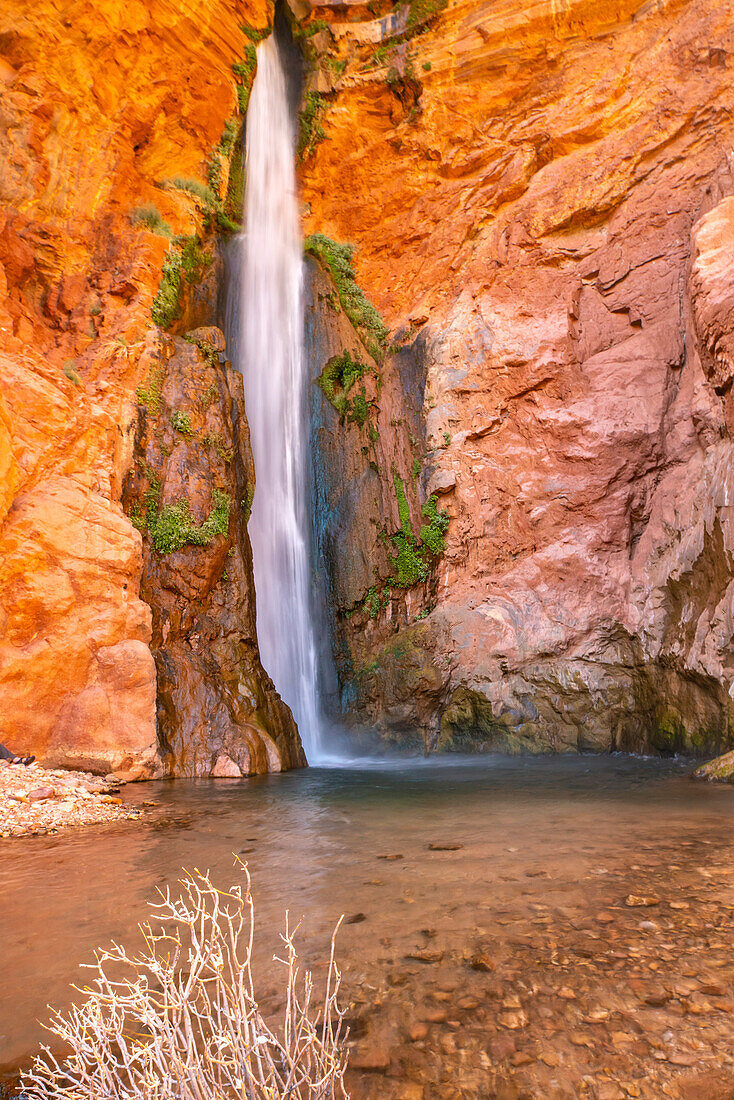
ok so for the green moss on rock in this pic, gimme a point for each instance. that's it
(415, 556)
(174, 526)
(337, 379)
(421, 11)
(362, 314)
(185, 260)
(182, 423)
(149, 392)
(151, 218)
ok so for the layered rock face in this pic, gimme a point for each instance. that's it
(190, 491)
(101, 104)
(539, 196)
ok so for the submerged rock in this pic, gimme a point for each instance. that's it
(721, 769)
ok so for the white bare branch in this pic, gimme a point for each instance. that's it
(180, 1020)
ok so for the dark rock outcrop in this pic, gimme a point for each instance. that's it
(190, 491)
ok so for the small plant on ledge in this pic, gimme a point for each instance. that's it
(151, 218)
(182, 423)
(173, 526)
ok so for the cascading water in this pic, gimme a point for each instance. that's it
(269, 352)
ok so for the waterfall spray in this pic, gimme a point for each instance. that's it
(270, 356)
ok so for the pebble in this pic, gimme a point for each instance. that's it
(513, 1020)
(37, 801)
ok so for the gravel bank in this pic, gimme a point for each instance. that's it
(35, 801)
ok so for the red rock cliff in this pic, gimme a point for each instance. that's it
(539, 196)
(540, 199)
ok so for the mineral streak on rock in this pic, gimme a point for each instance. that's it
(547, 226)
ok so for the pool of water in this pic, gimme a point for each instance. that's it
(482, 850)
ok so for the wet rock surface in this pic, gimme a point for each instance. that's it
(190, 492)
(561, 993)
(86, 144)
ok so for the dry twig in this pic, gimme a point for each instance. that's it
(185, 1025)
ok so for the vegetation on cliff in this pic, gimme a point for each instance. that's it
(173, 526)
(310, 130)
(337, 258)
(337, 379)
(150, 217)
(185, 260)
(415, 555)
(245, 69)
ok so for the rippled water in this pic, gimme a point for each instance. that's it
(535, 836)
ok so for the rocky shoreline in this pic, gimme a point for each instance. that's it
(35, 801)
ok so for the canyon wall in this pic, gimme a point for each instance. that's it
(118, 127)
(522, 506)
(539, 196)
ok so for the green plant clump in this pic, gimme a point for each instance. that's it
(367, 321)
(310, 130)
(310, 29)
(148, 393)
(414, 556)
(70, 372)
(182, 423)
(255, 34)
(185, 259)
(337, 379)
(246, 504)
(172, 527)
(166, 304)
(375, 602)
(216, 442)
(245, 72)
(175, 526)
(233, 200)
(423, 10)
(151, 217)
(335, 65)
(360, 409)
(432, 533)
(403, 506)
(151, 499)
(193, 187)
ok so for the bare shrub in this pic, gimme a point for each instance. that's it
(184, 1023)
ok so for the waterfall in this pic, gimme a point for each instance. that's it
(270, 355)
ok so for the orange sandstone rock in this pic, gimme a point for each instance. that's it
(100, 104)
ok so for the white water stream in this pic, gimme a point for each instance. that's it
(270, 356)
